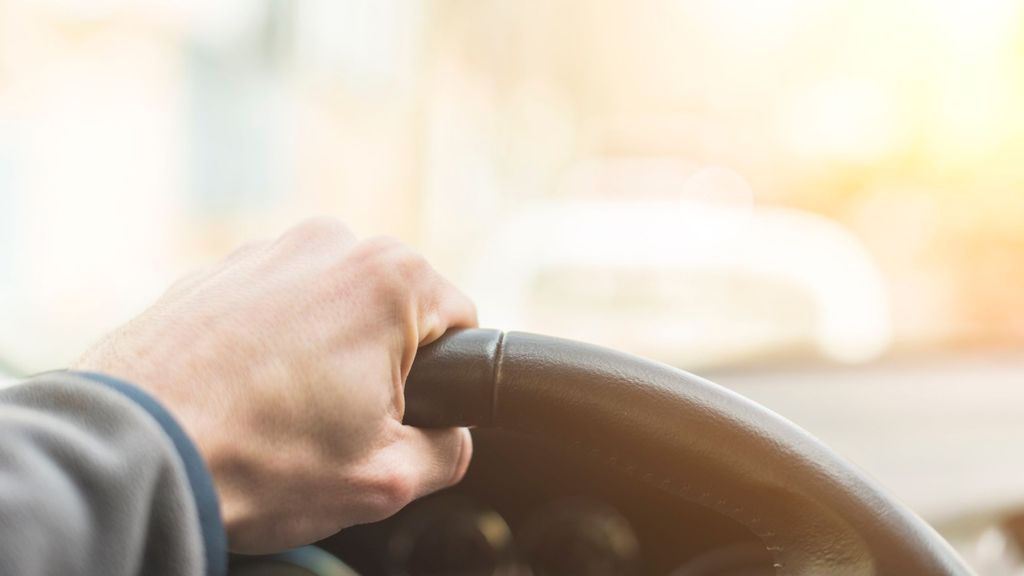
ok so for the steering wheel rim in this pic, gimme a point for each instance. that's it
(666, 428)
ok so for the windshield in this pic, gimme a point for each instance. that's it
(706, 182)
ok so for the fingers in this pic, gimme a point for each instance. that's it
(422, 302)
(446, 308)
(438, 306)
(404, 274)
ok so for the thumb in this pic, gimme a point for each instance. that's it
(438, 458)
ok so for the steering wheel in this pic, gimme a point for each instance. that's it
(672, 431)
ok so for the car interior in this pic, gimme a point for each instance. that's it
(749, 272)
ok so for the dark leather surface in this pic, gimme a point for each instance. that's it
(673, 431)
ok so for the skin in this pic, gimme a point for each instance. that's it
(286, 363)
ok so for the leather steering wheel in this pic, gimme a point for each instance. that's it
(815, 513)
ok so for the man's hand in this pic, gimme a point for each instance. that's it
(286, 364)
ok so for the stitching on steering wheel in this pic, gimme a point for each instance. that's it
(499, 357)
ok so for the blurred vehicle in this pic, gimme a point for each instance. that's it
(693, 283)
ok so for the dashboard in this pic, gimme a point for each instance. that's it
(531, 508)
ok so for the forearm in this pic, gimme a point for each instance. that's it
(96, 479)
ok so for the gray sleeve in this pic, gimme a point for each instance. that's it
(95, 480)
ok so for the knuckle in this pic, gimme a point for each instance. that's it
(391, 265)
(245, 250)
(381, 244)
(319, 228)
(373, 256)
(414, 265)
(410, 267)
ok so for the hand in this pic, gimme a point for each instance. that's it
(286, 363)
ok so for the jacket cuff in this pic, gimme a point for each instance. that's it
(199, 478)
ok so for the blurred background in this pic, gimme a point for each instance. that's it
(707, 182)
(720, 184)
